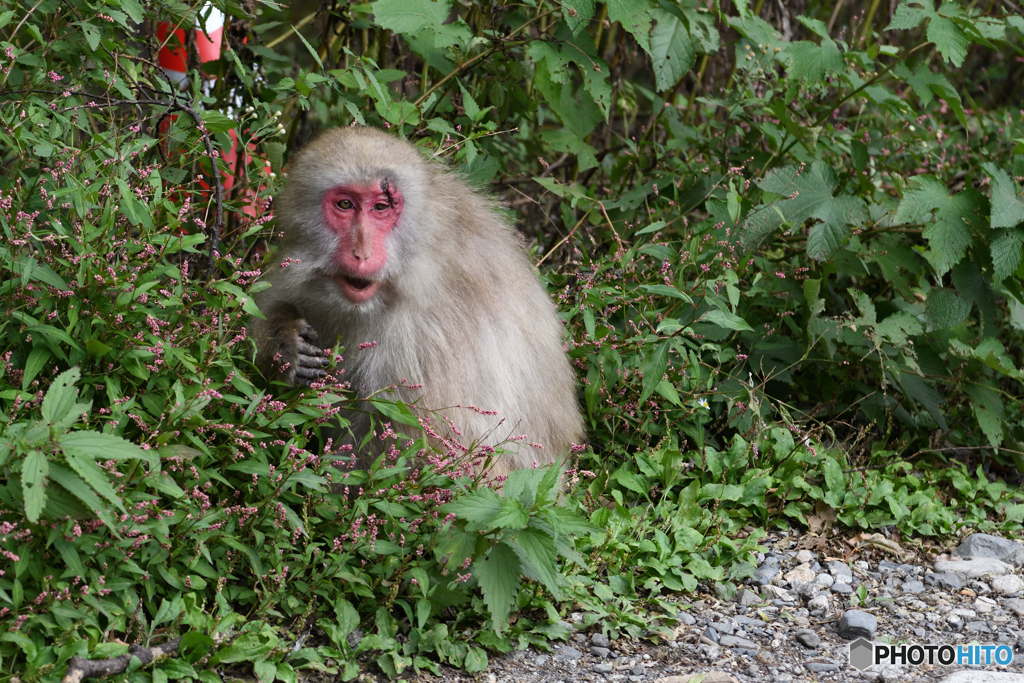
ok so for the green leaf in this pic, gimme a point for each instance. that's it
(95, 477)
(478, 507)
(577, 13)
(809, 62)
(99, 446)
(62, 396)
(498, 575)
(988, 411)
(34, 471)
(654, 369)
(1007, 209)
(1006, 253)
(947, 231)
(726, 320)
(672, 50)
(78, 488)
(410, 16)
(946, 308)
(37, 359)
(216, 122)
(536, 552)
(949, 38)
(635, 17)
(926, 84)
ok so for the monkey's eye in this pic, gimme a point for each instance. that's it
(380, 206)
(344, 204)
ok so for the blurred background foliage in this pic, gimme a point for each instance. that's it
(786, 240)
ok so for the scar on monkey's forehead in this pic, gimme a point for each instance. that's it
(385, 187)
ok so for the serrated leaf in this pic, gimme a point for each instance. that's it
(1007, 209)
(673, 52)
(409, 16)
(949, 38)
(988, 411)
(946, 308)
(809, 62)
(917, 388)
(62, 396)
(577, 13)
(926, 84)
(947, 231)
(1006, 252)
(95, 477)
(216, 122)
(538, 558)
(77, 487)
(635, 17)
(478, 507)
(34, 471)
(99, 446)
(498, 575)
(653, 369)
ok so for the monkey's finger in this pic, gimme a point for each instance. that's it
(310, 350)
(312, 361)
(308, 375)
(307, 332)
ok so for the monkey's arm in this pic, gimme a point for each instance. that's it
(286, 347)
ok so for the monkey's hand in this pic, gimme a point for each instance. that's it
(298, 358)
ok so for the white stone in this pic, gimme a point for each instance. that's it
(981, 676)
(799, 573)
(1007, 585)
(824, 580)
(984, 605)
(979, 568)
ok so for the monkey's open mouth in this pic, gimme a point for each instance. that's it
(356, 289)
(357, 283)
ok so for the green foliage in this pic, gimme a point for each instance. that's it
(790, 272)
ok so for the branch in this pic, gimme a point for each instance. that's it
(80, 669)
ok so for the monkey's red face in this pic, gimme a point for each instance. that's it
(361, 216)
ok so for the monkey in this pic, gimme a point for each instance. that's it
(427, 288)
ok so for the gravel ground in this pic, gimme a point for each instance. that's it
(792, 623)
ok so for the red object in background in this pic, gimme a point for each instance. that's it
(174, 61)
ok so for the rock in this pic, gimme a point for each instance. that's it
(710, 652)
(822, 667)
(567, 654)
(981, 676)
(1015, 605)
(799, 573)
(819, 602)
(837, 568)
(747, 597)
(984, 605)
(779, 593)
(805, 557)
(711, 635)
(709, 677)
(601, 652)
(978, 627)
(638, 670)
(767, 571)
(986, 545)
(541, 660)
(857, 624)
(846, 579)
(686, 618)
(944, 580)
(807, 638)
(725, 591)
(1007, 585)
(602, 668)
(824, 580)
(978, 568)
(600, 640)
(913, 587)
(806, 590)
(736, 641)
(841, 588)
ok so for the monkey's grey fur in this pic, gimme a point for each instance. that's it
(459, 308)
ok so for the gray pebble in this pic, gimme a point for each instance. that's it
(601, 652)
(856, 623)
(822, 667)
(986, 545)
(602, 668)
(978, 627)
(824, 580)
(841, 588)
(638, 670)
(771, 566)
(837, 568)
(567, 654)
(818, 603)
(736, 641)
(600, 640)
(541, 660)
(711, 634)
(913, 587)
(686, 618)
(1015, 605)
(944, 580)
(747, 597)
(807, 638)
